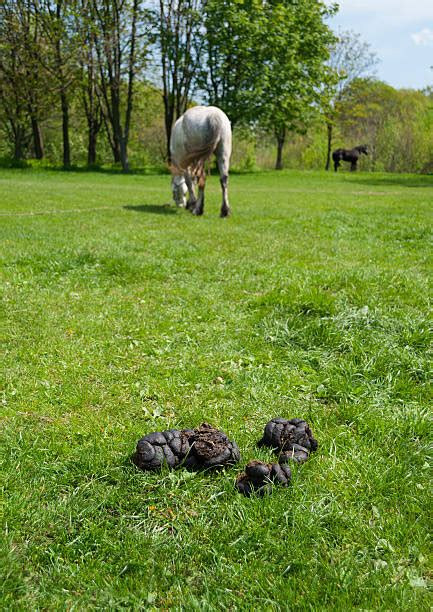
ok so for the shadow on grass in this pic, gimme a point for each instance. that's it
(156, 209)
(413, 182)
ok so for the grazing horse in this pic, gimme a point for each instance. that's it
(198, 133)
(349, 155)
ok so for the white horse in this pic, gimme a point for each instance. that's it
(198, 133)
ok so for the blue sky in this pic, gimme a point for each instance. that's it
(399, 31)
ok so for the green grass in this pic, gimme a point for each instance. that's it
(119, 314)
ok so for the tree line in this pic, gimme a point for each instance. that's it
(101, 66)
(396, 124)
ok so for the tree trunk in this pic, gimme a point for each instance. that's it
(168, 126)
(328, 153)
(19, 144)
(91, 146)
(116, 145)
(125, 135)
(281, 137)
(65, 130)
(115, 121)
(111, 137)
(168, 121)
(37, 138)
(124, 155)
(116, 152)
(373, 157)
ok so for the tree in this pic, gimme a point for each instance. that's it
(231, 67)
(178, 42)
(63, 57)
(118, 55)
(404, 138)
(350, 58)
(23, 89)
(12, 81)
(59, 56)
(89, 81)
(294, 60)
(265, 61)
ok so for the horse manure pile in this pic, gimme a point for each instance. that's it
(205, 448)
(211, 448)
(293, 439)
(201, 448)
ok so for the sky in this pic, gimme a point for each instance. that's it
(399, 31)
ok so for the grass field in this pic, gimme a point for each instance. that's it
(120, 316)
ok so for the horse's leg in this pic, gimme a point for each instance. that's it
(223, 167)
(198, 208)
(336, 164)
(353, 165)
(190, 205)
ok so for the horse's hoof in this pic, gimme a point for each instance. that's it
(225, 213)
(197, 212)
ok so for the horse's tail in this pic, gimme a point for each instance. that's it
(199, 154)
(194, 141)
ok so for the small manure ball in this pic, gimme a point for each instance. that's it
(259, 478)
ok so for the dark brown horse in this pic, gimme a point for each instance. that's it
(349, 155)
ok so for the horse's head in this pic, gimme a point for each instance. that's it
(363, 149)
(179, 189)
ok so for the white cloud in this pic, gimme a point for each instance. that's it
(423, 37)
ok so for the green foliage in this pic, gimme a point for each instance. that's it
(397, 124)
(266, 61)
(24, 95)
(231, 66)
(121, 316)
(297, 43)
(244, 156)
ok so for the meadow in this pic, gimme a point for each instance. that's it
(122, 315)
